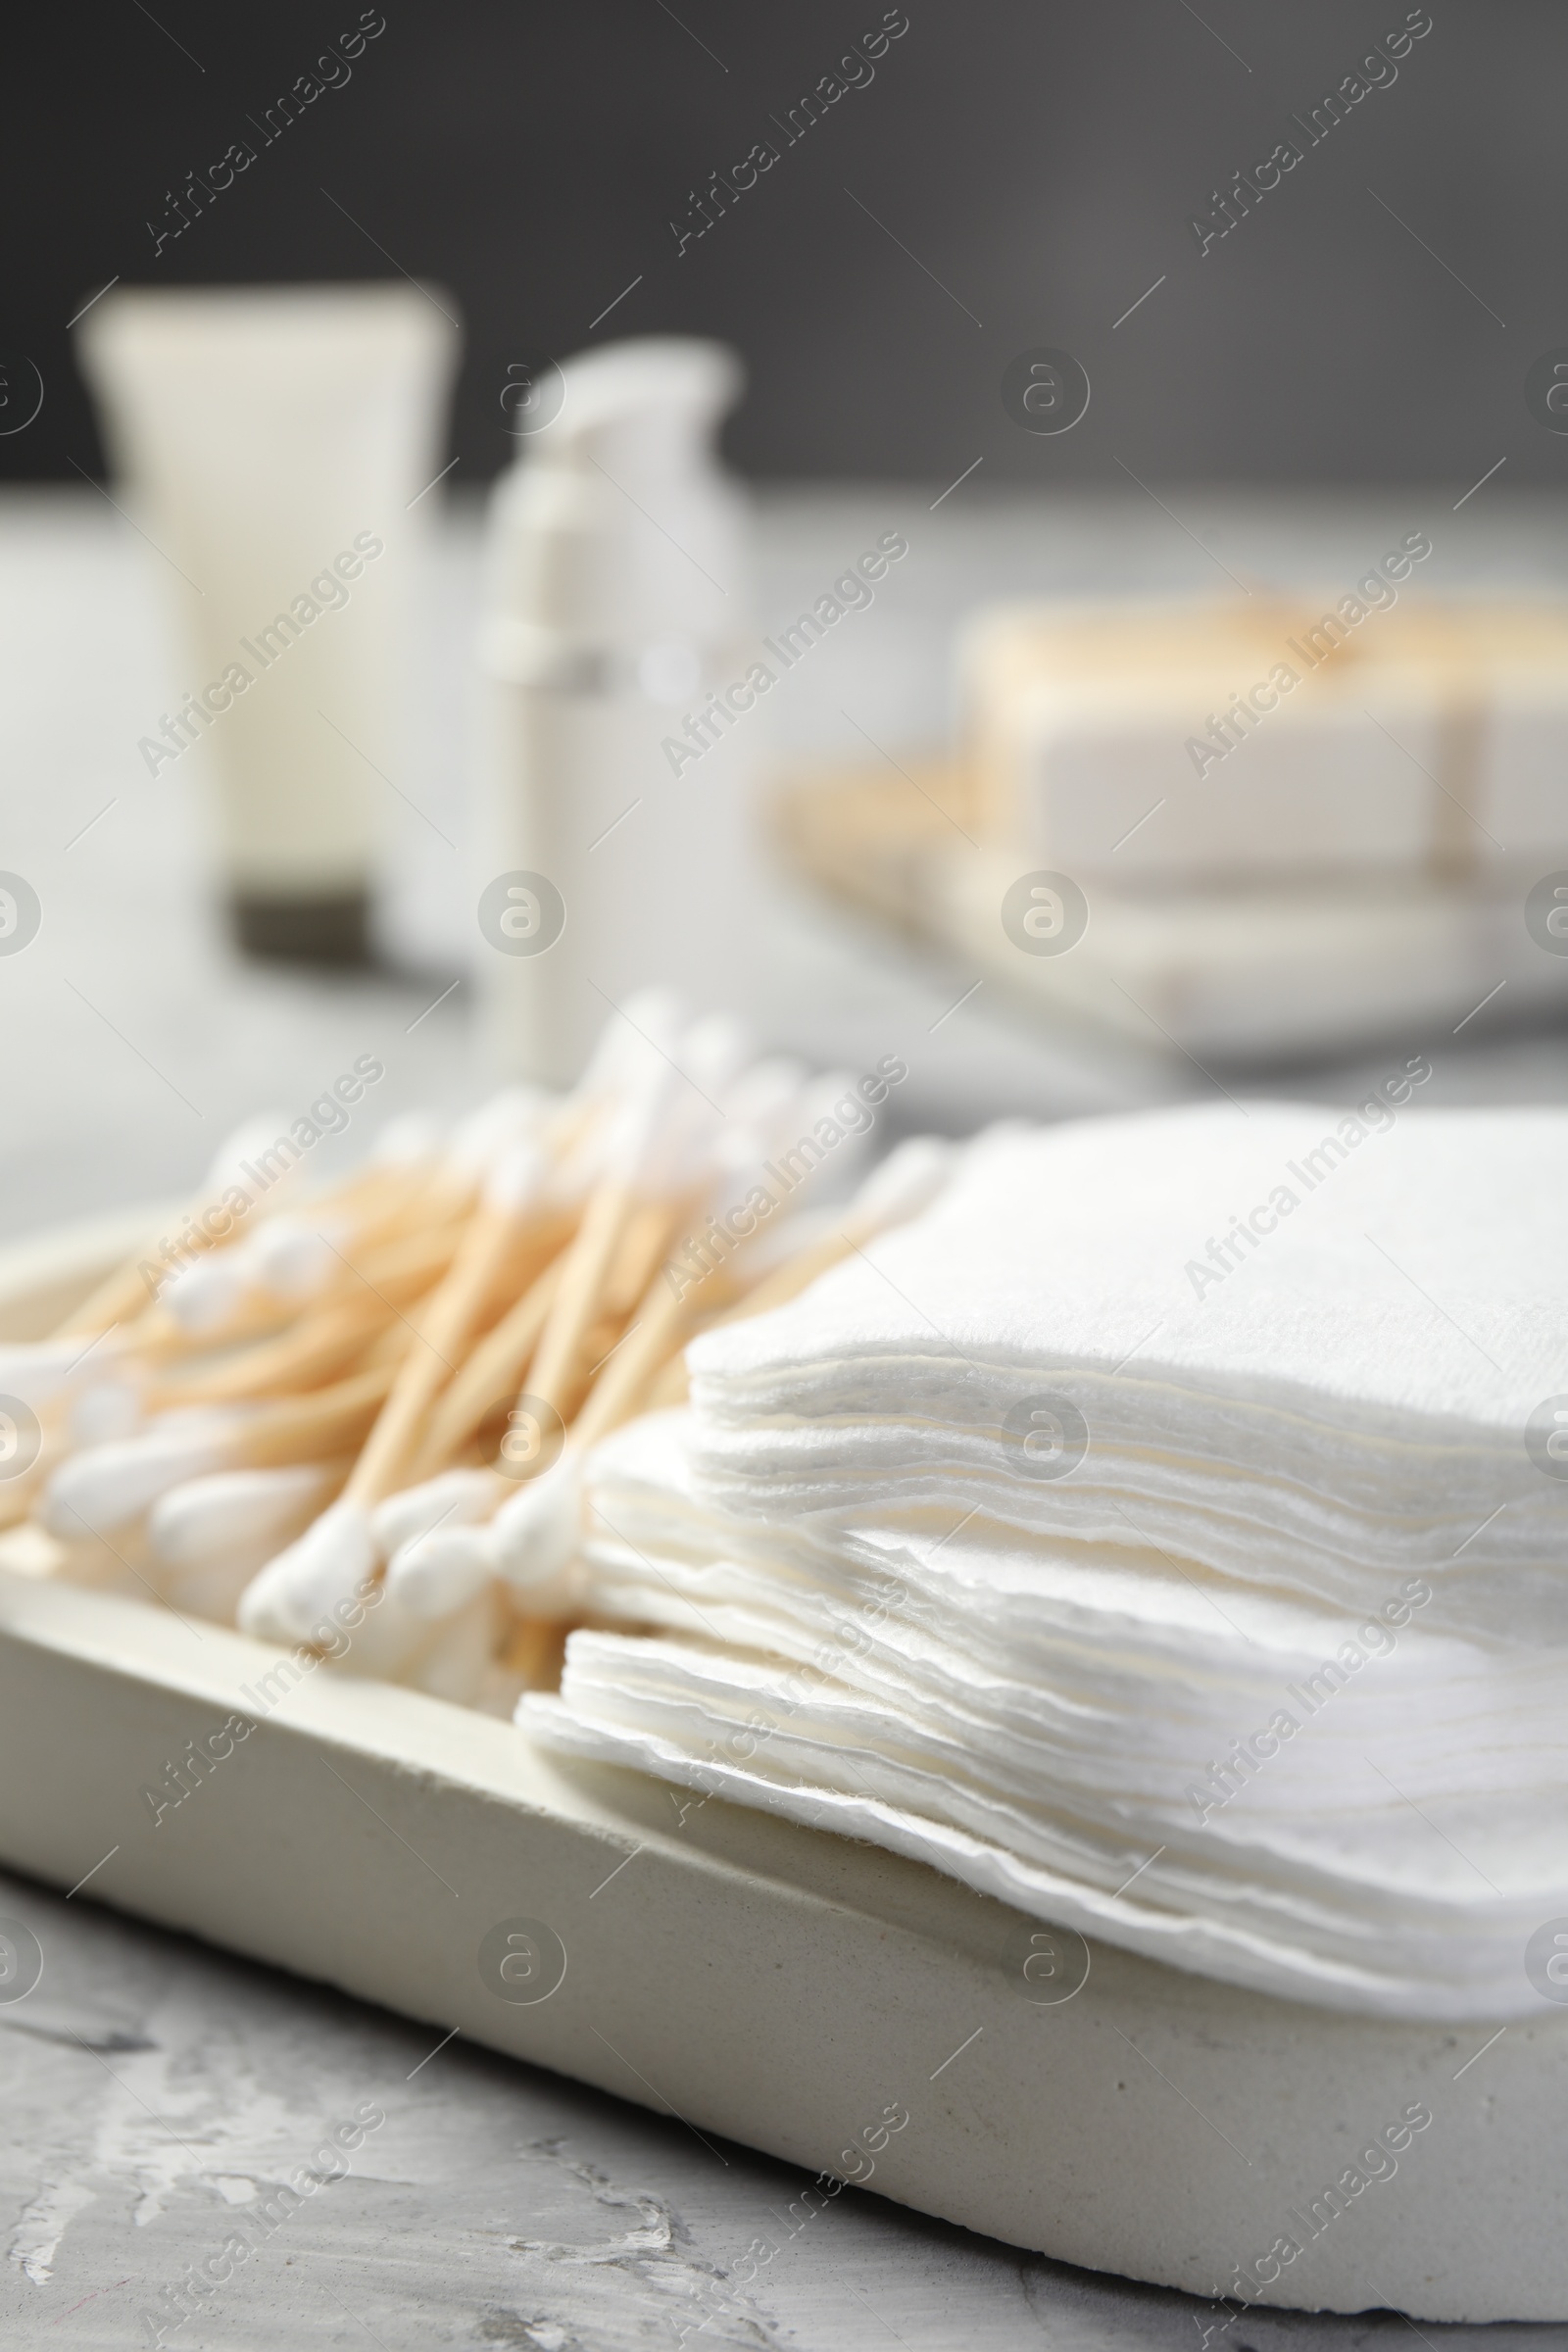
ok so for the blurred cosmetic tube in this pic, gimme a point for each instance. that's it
(616, 840)
(276, 443)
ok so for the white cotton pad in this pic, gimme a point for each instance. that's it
(1305, 1347)
(326, 1568)
(1207, 1593)
(1059, 1728)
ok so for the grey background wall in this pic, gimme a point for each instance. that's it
(1010, 173)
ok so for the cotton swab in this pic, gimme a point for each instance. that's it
(335, 1555)
(494, 1369)
(654, 1160)
(534, 1537)
(109, 1487)
(556, 1362)
(42, 1373)
(905, 1184)
(512, 1204)
(455, 1498)
(105, 1488)
(496, 1365)
(435, 1573)
(287, 1259)
(222, 1514)
(654, 1157)
(374, 1290)
(455, 1662)
(124, 1292)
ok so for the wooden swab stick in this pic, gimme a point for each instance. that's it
(554, 1365)
(313, 1427)
(641, 1246)
(493, 1370)
(905, 1184)
(110, 1486)
(643, 1136)
(343, 1545)
(447, 1323)
(336, 1555)
(403, 1265)
(660, 1324)
(326, 1337)
(313, 1350)
(122, 1296)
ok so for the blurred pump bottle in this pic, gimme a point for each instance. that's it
(614, 809)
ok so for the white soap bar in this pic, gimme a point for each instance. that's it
(1219, 745)
(1521, 803)
(1139, 788)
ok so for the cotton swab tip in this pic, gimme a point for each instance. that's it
(406, 1140)
(108, 1410)
(437, 1574)
(456, 1499)
(203, 1294)
(38, 1372)
(295, 1593)
(519, 1177)
(248, 1142)
(196, 1524)
(292, 1260)
(104, 1487)
(534, 1537)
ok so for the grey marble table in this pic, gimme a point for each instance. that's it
(156, 2096)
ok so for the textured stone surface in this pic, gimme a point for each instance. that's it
(156, 2096)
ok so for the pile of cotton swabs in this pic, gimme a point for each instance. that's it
(385, 1394)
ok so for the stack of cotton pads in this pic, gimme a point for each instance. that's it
(1167, 1533)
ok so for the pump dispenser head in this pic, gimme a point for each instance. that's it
(645, 409)
(616, 525)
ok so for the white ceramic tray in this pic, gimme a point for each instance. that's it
(833, 2005)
